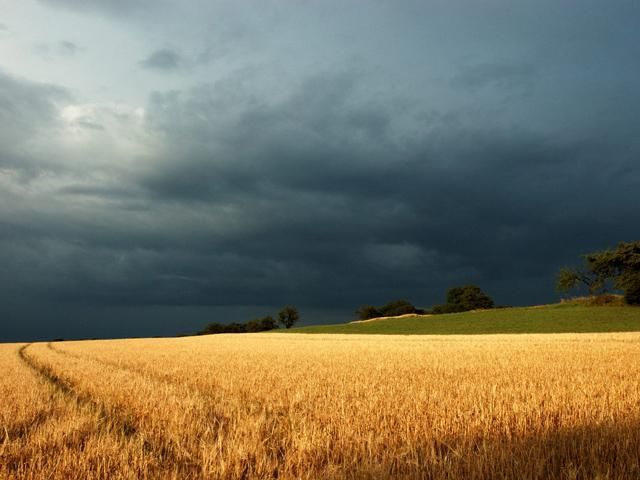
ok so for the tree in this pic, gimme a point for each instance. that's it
(463, 299)
(469, 297)
(288, 316)
(619, 268)
(569, 278)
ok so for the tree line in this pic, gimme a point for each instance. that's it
(458, 299)
(615, 269)
(287, 317)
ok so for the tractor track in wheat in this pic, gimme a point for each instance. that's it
(120, 424)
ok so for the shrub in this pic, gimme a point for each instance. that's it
(235, 328)
(212, 328)
(391, 309)
(366, 312)
(261, 324)
(448, 308)
(632, 295)
(395, 308)
(605, 299)
(258, 325)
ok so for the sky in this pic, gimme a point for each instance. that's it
(168, 164)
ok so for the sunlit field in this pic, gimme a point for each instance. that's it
(563, 406)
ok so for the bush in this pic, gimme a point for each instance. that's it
(261, 324)
(397, 307)
(212, 328)
(605, 299)
(448, 308)
(391, 309)
(367, 312)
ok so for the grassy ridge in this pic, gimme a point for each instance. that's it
(547, 319)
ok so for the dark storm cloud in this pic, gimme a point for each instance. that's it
(339, 184)
(319, 198)
(319, 188)
(165, 60)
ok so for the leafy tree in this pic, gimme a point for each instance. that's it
(568, 278)
(288, 316)
(469, 297)
(463, 299)
(619, 268)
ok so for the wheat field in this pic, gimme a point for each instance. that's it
(290, 406)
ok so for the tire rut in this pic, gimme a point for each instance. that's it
(246, 400)
(163, 453)
(24, 428)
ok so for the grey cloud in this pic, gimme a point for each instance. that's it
(68, 47)
(88, 123)
(114, 7)
(51, 51)
(165, 60)
(497, 75)
(25, 108)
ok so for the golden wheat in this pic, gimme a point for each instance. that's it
(325, 406)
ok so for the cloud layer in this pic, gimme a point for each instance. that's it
(323, 186)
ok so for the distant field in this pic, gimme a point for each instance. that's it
(245, 406)
(546, 319)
